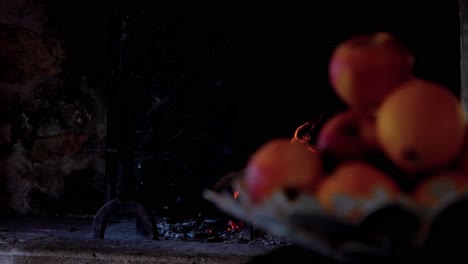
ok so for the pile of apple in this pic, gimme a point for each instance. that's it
(415, 124)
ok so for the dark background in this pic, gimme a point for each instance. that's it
(231, 76)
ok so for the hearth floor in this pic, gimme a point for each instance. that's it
(40, 239)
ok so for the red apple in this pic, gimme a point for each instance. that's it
(365, 68)
(347, 136)
(279, 165)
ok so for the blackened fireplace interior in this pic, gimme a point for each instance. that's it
(150, 105)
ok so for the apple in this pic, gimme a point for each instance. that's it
(279, 165)
(421, 126)
(365, 68)
(347, 136)
(354, 189)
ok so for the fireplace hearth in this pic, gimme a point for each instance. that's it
(116, 115)
(69, 240)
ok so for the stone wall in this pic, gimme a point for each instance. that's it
(45, 125)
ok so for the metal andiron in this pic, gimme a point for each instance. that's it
(122, 182)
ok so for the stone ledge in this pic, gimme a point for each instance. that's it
(69, 240)
(22, 248)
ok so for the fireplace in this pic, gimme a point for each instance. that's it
(133, 107)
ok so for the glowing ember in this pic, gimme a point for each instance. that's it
(301, 139)
(302, 133)
(233, 226)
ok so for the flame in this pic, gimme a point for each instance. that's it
(304, 138)
(306, 129)
(233, 225)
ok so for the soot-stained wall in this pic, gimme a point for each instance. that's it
(198, 89)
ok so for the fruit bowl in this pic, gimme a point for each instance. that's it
(384, 178)
(385, 226)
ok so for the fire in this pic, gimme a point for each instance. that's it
(302, 133)
(233, 225)
(301, 139)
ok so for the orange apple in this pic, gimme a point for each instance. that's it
(347, 136)
(420, 126)
(365, 68)
(353, 188)
(279, 165)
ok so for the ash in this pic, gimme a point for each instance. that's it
(217, 230)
